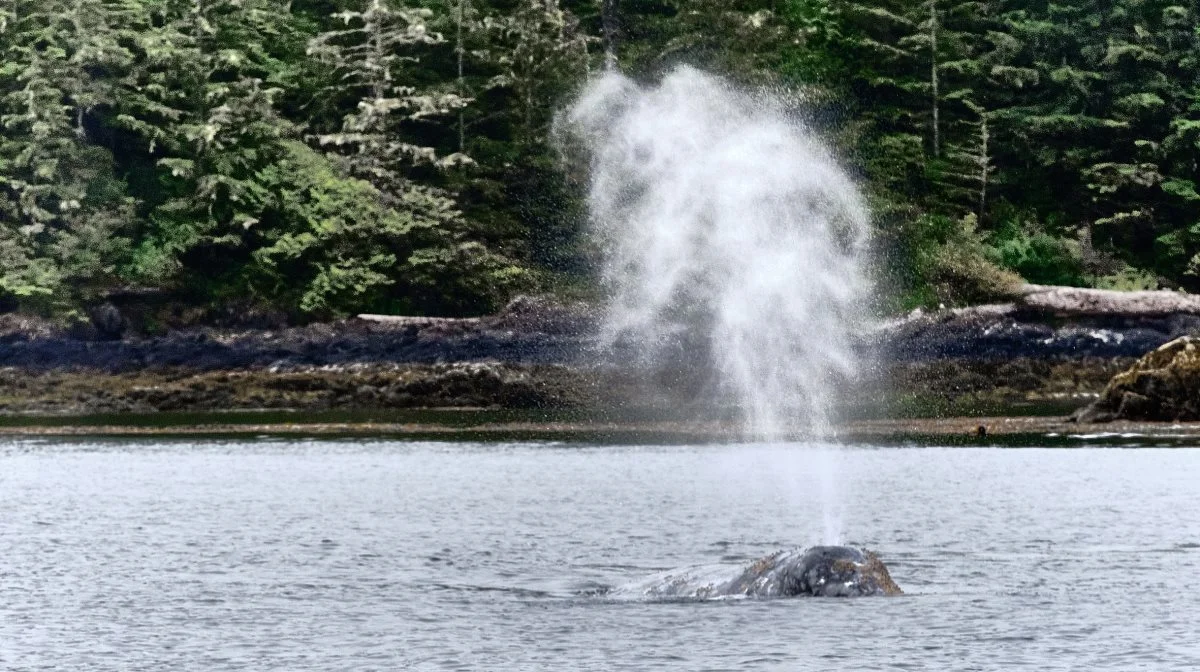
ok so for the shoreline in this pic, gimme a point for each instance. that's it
(1051, 346)
(961, 431)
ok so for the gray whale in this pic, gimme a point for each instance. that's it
(819, 571)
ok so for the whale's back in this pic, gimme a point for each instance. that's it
(841, 571)
(821, 571)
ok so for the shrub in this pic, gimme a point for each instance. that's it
(1038, 256)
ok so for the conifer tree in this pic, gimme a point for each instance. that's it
(369, 55)
(424, 237)
(62, 206)
(198, 100)
(956, 37)
(887, 80)
(1140, 188)
(741, 39)
(542, 53)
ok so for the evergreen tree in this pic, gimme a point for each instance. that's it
(372, 57)
(1142, 196)
(542, 55)
(369, 56)
(61, 205)
(198, 101)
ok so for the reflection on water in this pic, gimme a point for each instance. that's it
(385, 555)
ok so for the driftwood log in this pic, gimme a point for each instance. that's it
(1072, 301)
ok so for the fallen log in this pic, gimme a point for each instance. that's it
(1078, 301)
(407, 320)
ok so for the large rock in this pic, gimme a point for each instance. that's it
(1043, 323)
(108, 321)
(1163, 385)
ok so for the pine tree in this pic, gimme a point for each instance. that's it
(742, 39)
(372, 56)
(198, 102)
(886, 80)
(369, 55)
(1055, 129)
(1179, 148)
(957, 36)
(1140, 187)
(543, 53)
(62, 206)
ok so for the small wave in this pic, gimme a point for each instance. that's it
(511, 590)
(1107, 435)
(593, 589)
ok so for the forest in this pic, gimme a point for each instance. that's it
(328, 157)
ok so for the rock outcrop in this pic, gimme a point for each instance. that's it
(1163, 385)
(1045, 323)
(1048, 344)
(352, 387)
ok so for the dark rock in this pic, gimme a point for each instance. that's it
(1002, 333)
(108, 321)
(537, 352)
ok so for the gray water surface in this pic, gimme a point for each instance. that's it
(274, 555)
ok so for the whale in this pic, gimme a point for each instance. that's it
(818, 571)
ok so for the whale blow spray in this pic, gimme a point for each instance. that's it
(725, 219)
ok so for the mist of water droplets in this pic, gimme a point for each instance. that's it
(723, 216)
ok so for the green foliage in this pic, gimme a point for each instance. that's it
(1082, 115)
(958, 266)
(333, 247)
(1128, 279)
(316, 256)
(159, 142)
(62, 208)
(397, 155)
(1039, 257)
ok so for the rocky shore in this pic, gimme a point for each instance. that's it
(1047, 344)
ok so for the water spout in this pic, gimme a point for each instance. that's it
(726, 221)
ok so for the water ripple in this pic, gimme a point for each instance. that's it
(347, 556)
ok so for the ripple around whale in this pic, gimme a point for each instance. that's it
(819, 571)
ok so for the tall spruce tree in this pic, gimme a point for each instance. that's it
(543, 53)
(62, 207)
(439, 263)
(199, 101)
(1142, 196)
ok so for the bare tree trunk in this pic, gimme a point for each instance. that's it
(458, 52)
(608, 19)
(984, 164)
(379, 81)
(933, 75)
(1087, 253)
